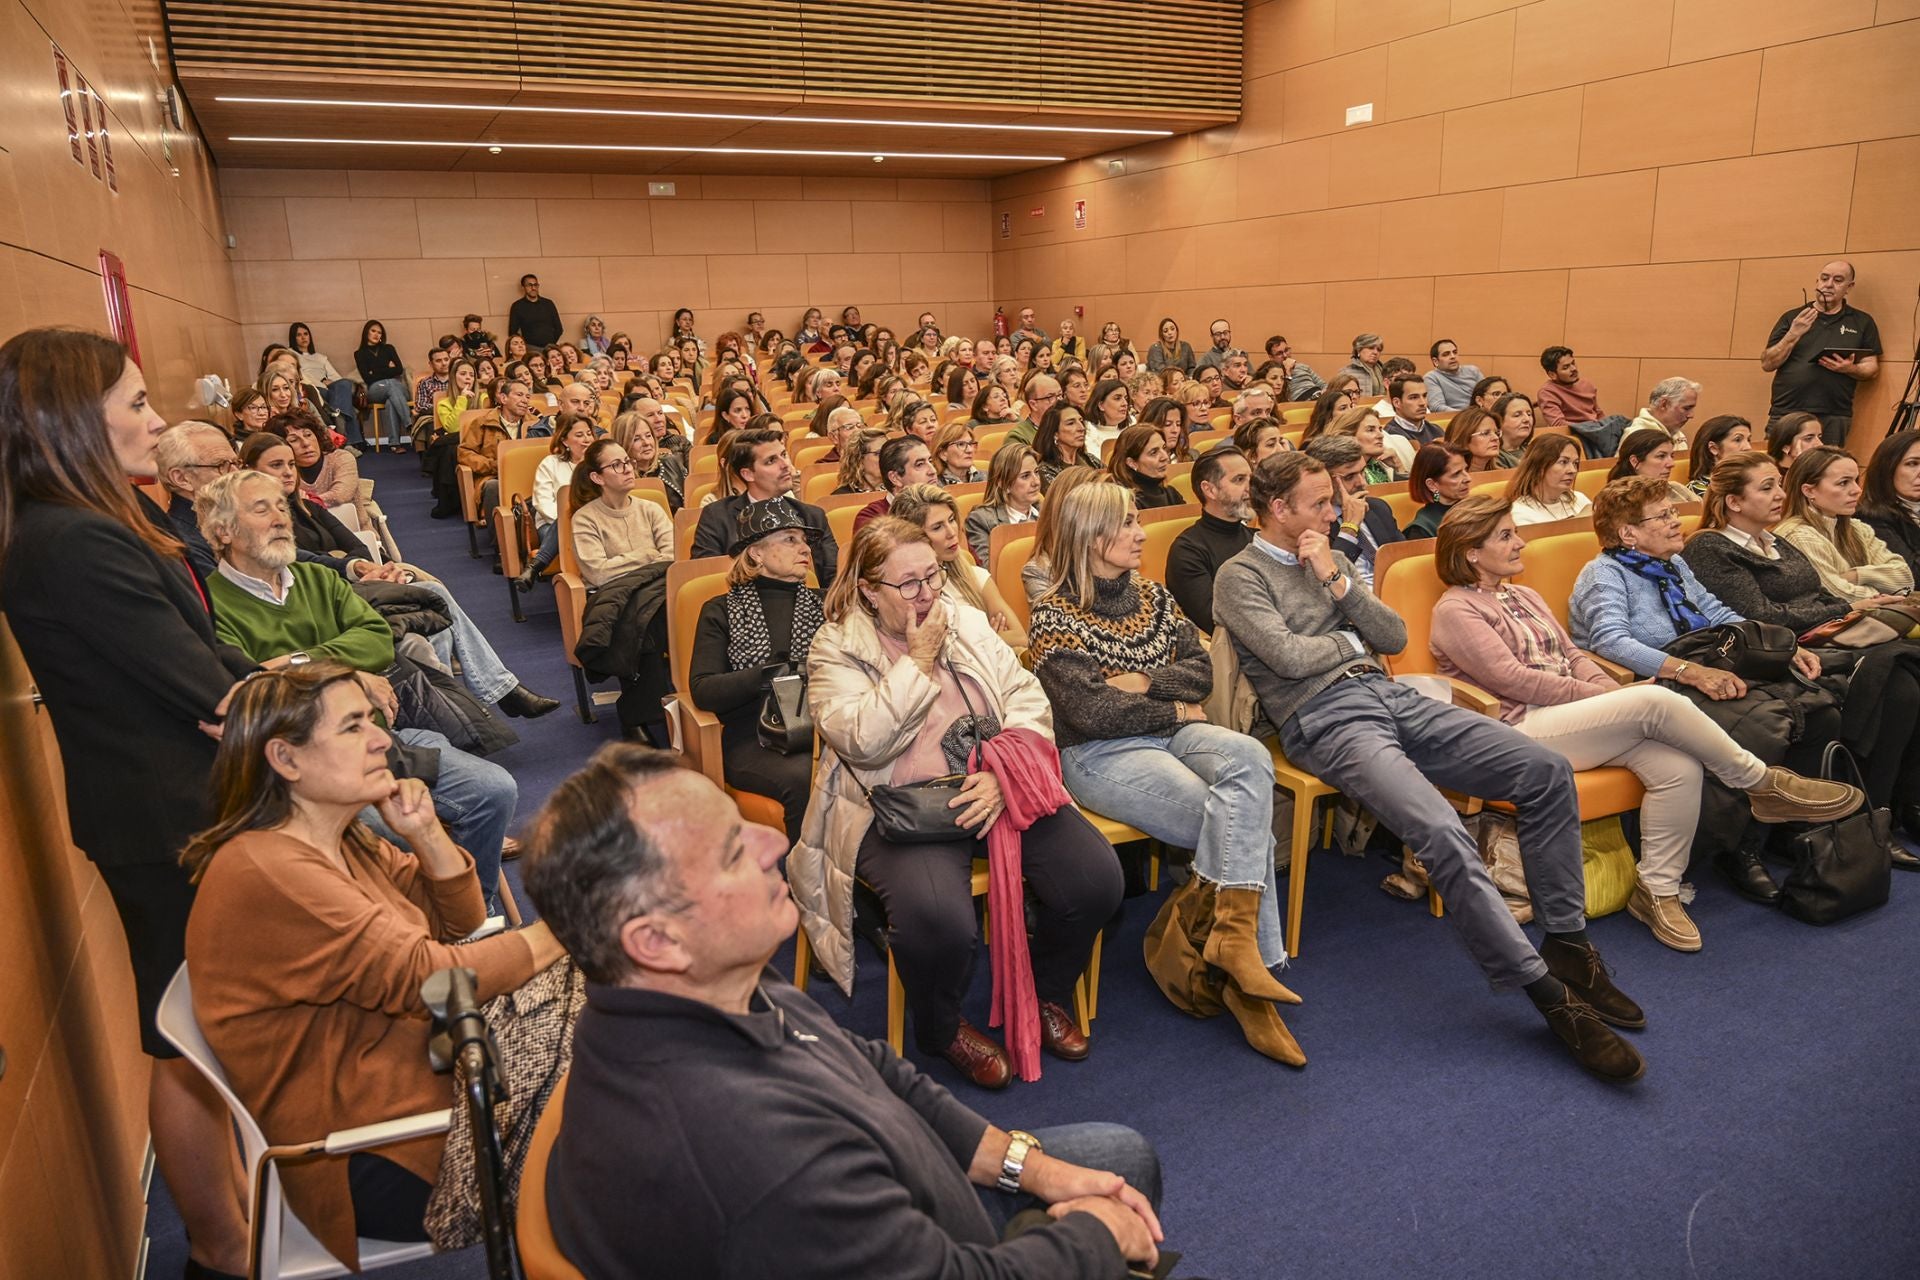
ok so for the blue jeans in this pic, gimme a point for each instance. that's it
(480, 666)
(393, 393)
(476, 801)
(339, 396)
(1389, 747)
(1111, 1148)
(549, 545)
(1206, 788)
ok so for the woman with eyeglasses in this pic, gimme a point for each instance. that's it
(616, 534)
(1476, 431)
(906, 689)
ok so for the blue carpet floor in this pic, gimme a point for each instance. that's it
(1439, 1131)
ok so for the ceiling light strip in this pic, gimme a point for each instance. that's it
(688, 115)
(618, 146)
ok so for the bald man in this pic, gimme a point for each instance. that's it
(578, 397)
(1820, 353)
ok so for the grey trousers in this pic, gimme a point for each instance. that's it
(1390, 747)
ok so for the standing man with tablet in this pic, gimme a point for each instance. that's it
(1818, 352)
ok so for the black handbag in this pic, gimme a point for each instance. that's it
(1751, 650)
(921, 812)
(786, 725)
(1840, 868)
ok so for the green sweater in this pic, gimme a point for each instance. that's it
(321, 615)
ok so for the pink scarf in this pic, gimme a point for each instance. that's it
(1027, 767)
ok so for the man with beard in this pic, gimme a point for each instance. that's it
(1220, 482)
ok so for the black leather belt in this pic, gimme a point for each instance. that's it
(1359, 671)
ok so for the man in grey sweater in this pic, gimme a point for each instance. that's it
(1306, 633)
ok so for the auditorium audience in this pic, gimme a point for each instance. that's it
(904, 460)
(1477, 432)
(953, 451)
(1220, 480)
(1365, 368)
(311, 936)
(1300, 383)
(1823, 500)
(860, 462)
(1488, 391)
(760, 628)
(572, 435)
(1258, 438)
(1504, 638)
(1127, 676)
(1566, 398)
(1330, 404)
(648, 439)
(1306, 634)
(1169, 350)
(329, 477)
(906, 689)
(1791, 435)
(1541, 490)
(673, 908)
(624, 543)
(1408, 431)
(1362, 423)
(334, 387)
(1513, 411)
(384, 378)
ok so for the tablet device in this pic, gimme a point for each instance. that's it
(1855, 352)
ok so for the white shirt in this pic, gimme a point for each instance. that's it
(1534, 511)
(1763, 544)
(274, 593)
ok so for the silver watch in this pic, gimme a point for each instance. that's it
(1014, 1163)
(299, 658)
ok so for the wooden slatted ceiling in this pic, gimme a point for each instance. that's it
(1127, 60)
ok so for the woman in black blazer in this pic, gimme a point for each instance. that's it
(116, 632)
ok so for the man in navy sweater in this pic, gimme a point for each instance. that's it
(718, 1123)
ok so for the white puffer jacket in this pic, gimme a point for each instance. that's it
(867, 708)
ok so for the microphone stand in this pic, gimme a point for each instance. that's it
(467, 1044)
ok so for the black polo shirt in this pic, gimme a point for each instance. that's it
(1801, 385)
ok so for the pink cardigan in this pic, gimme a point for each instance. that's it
(1475, 639)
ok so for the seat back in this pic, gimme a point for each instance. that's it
(690, 584)
(569, 559)
(1160, 536)
(683, 522)
(515, 461)
(1551, 564)
(840, 512)
(540, 1254)
(1405, 581)
(1010, 546)
(1401, 502)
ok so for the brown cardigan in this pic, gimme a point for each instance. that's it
(306, 982)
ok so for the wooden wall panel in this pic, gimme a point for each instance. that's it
(1642, 181)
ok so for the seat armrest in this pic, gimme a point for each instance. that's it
(700, 739)
(388, 1132)
(1614, 669)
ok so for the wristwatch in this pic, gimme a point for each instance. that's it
(1331, 578)
(299, 658)
(1014, 1163)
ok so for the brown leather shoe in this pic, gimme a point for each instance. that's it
(1060, 1033)
(1785, 796)
(1585, 974)
(1595, 1046)
(979, 1059)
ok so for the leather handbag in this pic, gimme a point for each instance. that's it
(786, 725)
(1840, 868)
(1853, 631)
(921, 812)
(1751, 650)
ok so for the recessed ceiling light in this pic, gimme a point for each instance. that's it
(633, 112)
(493, 151)
(879, 159)
(627, 146)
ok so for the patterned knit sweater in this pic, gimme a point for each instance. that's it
(1133, 624)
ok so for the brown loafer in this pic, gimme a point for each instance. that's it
(979, 1059)
(1060, 1033)
(1594, 1045)
(1785, 796)
(1585, 974)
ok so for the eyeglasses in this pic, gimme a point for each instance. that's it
(223, 466)
(617, 464)
(1669, 516)
(914, 588)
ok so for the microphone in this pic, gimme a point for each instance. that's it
(449, 995)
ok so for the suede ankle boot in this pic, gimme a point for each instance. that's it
(1234, 945)
(1260, 1023)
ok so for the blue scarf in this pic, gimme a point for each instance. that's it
(1686, 616)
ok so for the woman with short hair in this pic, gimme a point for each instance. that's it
(1648, 452)
(905, 689)
(1503, 637)
(761, 628)
(1513, 413)
(329, 477)
(1489, 391)
(953, 449)
(1127, 676)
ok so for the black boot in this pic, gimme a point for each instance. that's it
(523, 581)
(1748, 875)
(526, 704)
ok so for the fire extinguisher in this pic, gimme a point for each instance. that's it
(999, 322)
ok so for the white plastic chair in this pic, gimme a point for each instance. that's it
(281, 1247)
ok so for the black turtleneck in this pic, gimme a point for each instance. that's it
(1149, 493)
(1196, 556)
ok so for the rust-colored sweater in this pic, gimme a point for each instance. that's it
(306, 982)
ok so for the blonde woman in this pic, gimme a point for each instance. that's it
(938, 515)
(463, 393)
(1126, 674)
(1036, 576)
(860, 462)
(1012, 497)
(1362, 422)
(954, 446)
(1823, 498)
